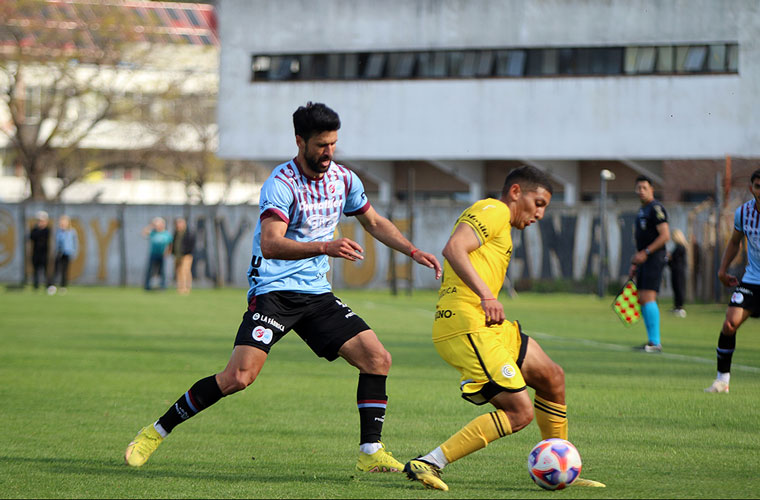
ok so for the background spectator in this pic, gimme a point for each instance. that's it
(40, 238)
(183, 244)
(66, 248)
(677, 264)
(159, 240)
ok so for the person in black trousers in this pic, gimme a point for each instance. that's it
(40, 238)
(677, 264)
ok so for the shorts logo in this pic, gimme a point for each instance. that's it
(266, 319)
(508, 371)
(737, 298)
(261, 334)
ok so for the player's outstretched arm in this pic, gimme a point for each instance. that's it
(389, 235)
(461, 243)
(729, 254)
(275, 245)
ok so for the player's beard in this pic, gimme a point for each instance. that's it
(314, 162)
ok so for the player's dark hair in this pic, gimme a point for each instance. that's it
(644, 178)
(755, 175)
(314, 118)
(529, 178)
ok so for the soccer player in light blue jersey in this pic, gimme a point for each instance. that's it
(300, 206)
(745, 301)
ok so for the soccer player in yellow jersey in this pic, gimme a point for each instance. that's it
(496, 359)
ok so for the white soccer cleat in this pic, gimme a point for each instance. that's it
(718, 386)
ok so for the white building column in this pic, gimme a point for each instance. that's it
(471, 172)
(381, 172)
(650, 168)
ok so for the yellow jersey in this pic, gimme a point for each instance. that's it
(458, 310)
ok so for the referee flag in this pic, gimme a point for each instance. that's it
(626, 304)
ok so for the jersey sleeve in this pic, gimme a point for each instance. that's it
(738, 223)
(275, 199)
(486, 219)
(356, 199)
(659, 214)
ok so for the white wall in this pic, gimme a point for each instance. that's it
(563, 118)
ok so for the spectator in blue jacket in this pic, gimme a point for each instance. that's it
(159, 240)
(66, 248)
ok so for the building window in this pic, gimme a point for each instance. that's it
(695, 58)
(665, 60)
(374, 66)
(498, 63)
(732, 57)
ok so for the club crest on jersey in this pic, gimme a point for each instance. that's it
(658, 211)
(335, 188)
(262, 334)
(508, 371)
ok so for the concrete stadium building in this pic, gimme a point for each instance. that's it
(464, 90)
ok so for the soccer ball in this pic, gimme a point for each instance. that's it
(554, 464)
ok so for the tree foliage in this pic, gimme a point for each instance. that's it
(69, 73)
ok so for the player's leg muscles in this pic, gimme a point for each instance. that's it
(513, 412)
(243, 367)
(366, 352)
(548, 380)
(735, 316)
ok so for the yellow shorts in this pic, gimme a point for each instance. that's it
(489, 360)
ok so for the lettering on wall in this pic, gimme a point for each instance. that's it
(103, 240)
(7, 237)
(359, 273)
(565, 245)
(202, 255)
(76, 267)
(230, 244)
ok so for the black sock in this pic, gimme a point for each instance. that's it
(201, 395)
(725, 350)
(372, 401)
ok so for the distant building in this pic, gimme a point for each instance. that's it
(164, 101)
(461, 91)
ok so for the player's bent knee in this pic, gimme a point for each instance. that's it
(557, 376)
(520, 419)
(378, 362)
(730, 327)
(231, 383)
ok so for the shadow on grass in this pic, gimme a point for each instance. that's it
(271, 473)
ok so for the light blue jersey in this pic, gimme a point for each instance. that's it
(747, 221)
(312, 209)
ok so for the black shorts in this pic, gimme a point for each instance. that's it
(322, 321)
(747, 296)
(649, 274)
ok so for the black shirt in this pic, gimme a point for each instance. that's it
(40, 237)
(649, 217)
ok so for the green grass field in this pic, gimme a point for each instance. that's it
(82, 372)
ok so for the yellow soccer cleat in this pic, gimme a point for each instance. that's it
(427, 474)
(380, 461)
(142, 446)
(590, 483)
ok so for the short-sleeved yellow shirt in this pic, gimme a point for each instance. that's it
(458, 310)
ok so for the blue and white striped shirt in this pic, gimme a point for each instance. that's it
(311, 208)
(747, 221)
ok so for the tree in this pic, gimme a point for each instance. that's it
(63, 71)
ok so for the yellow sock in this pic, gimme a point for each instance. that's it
(476, 435)
(551, 418)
